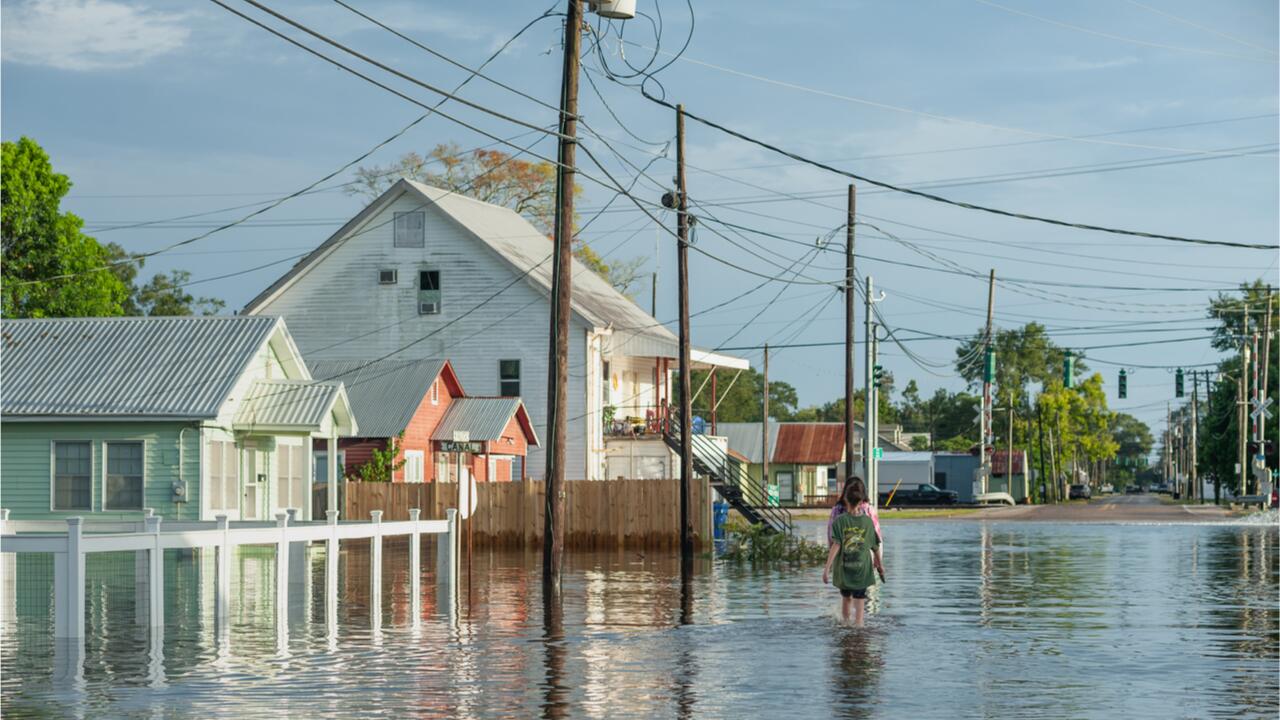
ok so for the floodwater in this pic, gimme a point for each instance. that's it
(1000, 620)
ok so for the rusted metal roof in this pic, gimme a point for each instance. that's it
(1000, 458)
(165, 367)
(809, 443)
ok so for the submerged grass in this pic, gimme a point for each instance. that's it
(755, 544)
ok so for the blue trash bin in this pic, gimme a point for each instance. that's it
(720, 515)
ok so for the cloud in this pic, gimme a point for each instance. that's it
(87, 35)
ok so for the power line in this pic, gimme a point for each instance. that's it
(960, 203)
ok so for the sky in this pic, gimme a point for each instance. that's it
(158, 110)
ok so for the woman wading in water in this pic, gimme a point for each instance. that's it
(855, 553)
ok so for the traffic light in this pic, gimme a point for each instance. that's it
(1177, 383)
(1068, 370)
(878, 375)
(1124, 384)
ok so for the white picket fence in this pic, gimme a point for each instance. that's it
(71, 540)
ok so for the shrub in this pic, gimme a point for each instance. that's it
(757, 544)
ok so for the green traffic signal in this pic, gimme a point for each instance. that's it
(1177, 383)
(1124, 384)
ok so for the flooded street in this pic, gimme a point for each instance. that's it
(978, 619)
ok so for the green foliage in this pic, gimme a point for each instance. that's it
(1023, 356)
(39, 241)
(946, 416)
(744, 401)
(165, 295)
(920, 442)
(756, 544)
(1133, 439)
(383, 463)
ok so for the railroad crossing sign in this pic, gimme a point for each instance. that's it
(1261, 408)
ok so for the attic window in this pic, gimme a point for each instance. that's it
(410, 229)
(387, 277)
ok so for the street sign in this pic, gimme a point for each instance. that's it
(459, 447)
(877, 453)
(461, 436)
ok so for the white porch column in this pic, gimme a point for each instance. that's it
(333, 478)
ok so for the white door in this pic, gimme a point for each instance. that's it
(255, 483)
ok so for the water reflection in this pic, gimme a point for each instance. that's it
(1001, 620)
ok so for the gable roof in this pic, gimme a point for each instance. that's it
(287, 404)
(484, 419)
(161, 367)
(386, 394)
(528, 252)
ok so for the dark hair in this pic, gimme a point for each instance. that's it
(855, 493)
(848, 483)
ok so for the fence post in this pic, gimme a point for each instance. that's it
(68, 584)
(155, 574)
(142, 574)
(415, 566)
(282, 569)
(331, 576)
(222, 571)
(9, 566)
(447, 562)
(297, 554)
(375, 570)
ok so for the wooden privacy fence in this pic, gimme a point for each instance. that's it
(599, 514)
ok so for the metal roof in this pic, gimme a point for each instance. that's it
(528, 250)
(913, 456)
(287, 404)
(384, 395)
(126, 367)
(809, 443)
(746, 438)
(482, 418)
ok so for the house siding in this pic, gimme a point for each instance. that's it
(338, 298)
(26, 467)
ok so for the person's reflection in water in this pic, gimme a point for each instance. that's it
(555, 702)
(856, 671)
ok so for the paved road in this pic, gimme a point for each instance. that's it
(1112, 508)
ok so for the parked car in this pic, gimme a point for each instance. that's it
(925, 494)
(1079, 492)
(1133, 490)
(1107, 489)
(1160, 488)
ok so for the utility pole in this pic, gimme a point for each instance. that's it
(686, 392)
(1242, 403)
(868, 419)
(561, 294)
(1044, 484)
(1008, 469)
(764, 429)
(984, 461)
(1197, 492)
(1263, 399)
(1168, 439)
(849, 279)
(874, 404)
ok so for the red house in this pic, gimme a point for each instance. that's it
(445, 433)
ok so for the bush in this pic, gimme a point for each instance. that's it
(756, 544)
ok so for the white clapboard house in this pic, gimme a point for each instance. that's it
(427, 273)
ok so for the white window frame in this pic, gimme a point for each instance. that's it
(228, 447)
(395, 276)
(284, 456)
(53, 472)
(106, 462)
(420, 465)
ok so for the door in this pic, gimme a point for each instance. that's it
(255, 486)
(786, 486)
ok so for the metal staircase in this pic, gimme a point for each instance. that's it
(730, 478)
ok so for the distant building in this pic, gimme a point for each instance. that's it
(1000, 481)
(425, 273)
(955, 471)
(806, 460)
(192, 417)
(424, 401)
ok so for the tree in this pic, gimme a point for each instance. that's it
(1078, 421)
(1024, 356)
(382, 464)
(493, 176)
(744, 401)
(41, 242)
(947, 417)
(164, 295)
(1132, 436)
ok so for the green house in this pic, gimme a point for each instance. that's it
(191, 417)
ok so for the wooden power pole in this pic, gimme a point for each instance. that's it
(986, 421)
(849, 280)
(764, 429)
(561, 297)
(686, 397)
